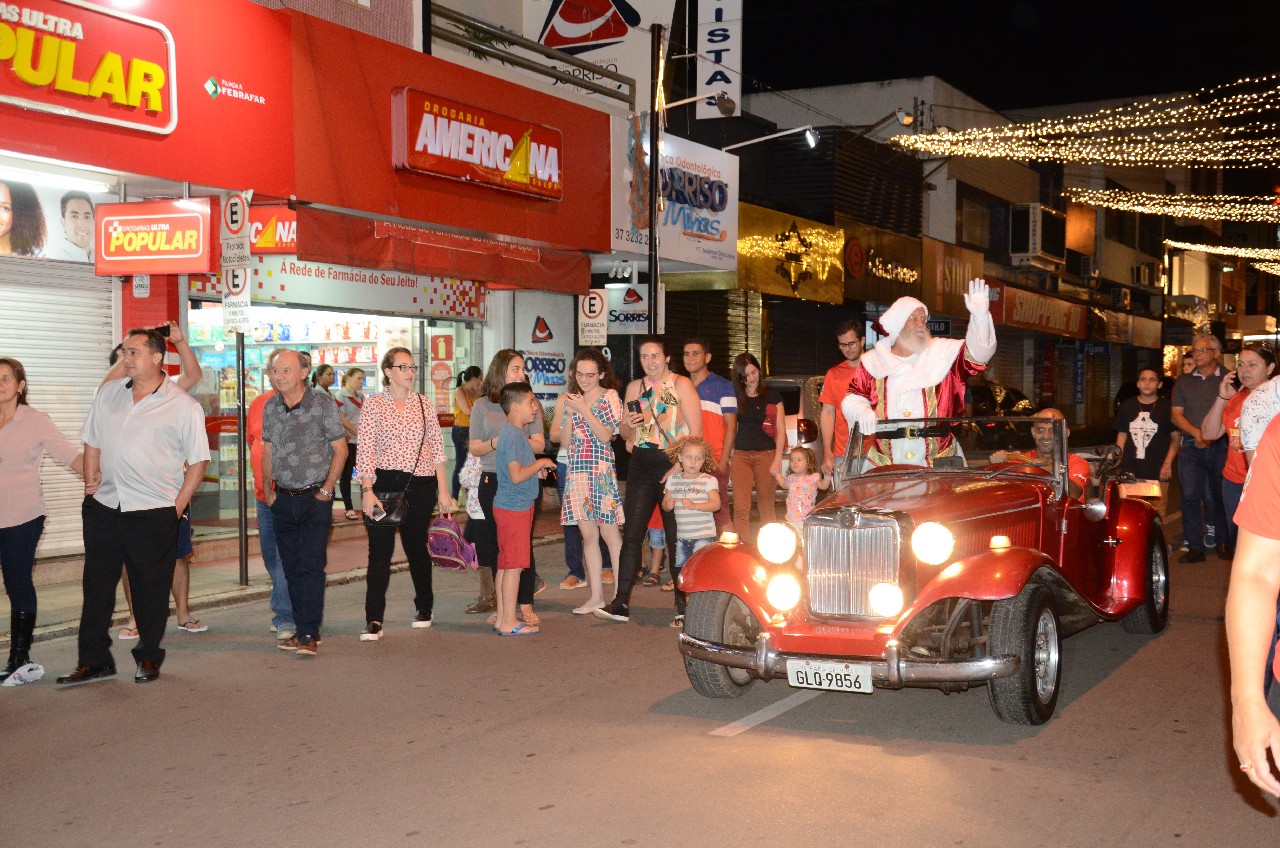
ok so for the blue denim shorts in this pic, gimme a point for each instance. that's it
(657, 538)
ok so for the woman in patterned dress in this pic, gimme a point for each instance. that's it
(592, 416)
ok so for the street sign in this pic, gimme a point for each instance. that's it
(235, 228)
(593, 327)
(235, 300)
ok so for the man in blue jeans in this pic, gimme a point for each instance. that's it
(1200, 462)
(281, 608)
(304, 448)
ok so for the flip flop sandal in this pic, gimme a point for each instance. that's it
(127, 634)
(651, 580)
(669, 586)
(521, 630)
(529, 616)
(193, 626)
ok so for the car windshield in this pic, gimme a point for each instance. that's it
(993, 446)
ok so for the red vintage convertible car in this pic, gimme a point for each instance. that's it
(966, 572)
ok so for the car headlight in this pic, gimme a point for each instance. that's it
(932, 543)
(885, 599)
(783, 592)
(776, 543)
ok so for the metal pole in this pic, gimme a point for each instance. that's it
(655, 122)
(242, 464)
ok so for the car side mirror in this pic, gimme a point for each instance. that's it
(806, 431)
(1095, 510)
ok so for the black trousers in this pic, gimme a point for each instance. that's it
(145, 544)
(485, 538)
(420, 502)
(644, 492)
(344, 479)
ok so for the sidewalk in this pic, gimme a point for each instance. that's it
(215, 573)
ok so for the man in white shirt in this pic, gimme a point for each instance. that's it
(140, 434)
(77, 229)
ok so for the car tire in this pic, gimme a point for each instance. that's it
(718, 617)
(1026, 625)
(1153, 615)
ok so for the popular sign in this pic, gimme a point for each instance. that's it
(444, 138)
(154, 237)
(69, 57)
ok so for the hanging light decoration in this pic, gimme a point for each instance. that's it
(1215, 207)
(1268, 267)
(1177, 131)
(1264, 253)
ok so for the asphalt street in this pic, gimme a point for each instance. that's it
(589, 734)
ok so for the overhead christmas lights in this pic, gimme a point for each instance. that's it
(1268, 267)
(1219, 250)
(1179, 131)
(1215, 207)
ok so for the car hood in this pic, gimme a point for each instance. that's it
(939, 496)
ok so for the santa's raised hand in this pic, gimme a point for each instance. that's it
(978, 298)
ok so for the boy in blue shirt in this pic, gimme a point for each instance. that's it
(518, 475)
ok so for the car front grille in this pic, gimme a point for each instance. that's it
(843, 562)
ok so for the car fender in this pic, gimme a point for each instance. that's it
(736, 569)
(1129, 569)
(987, 576)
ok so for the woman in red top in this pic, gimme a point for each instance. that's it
(1254, 366)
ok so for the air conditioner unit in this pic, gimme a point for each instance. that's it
(1037, 236)
(1081, 265)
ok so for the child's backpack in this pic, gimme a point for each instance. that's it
(448, 548)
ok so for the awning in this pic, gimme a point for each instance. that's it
(332, 237)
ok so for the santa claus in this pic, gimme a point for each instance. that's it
(910, 374)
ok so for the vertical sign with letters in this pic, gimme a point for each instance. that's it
(719, 63)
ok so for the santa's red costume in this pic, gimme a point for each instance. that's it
(910, 374)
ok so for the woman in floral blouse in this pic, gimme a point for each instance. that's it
(592, 416)
(400, 444)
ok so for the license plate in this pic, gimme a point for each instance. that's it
(835, 676)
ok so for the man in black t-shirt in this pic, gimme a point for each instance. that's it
(1144, 430)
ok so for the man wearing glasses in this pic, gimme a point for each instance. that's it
(1201, 461)
(304, 446)
(850, 337)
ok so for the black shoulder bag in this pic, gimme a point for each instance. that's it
(395, 503)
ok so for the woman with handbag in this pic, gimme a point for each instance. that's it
(487, 421)
(757, 448)
(401, 467)
(464, 397)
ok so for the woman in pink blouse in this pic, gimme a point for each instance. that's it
(25, 436)
(400, 445)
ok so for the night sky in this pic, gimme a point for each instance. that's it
(1013, 53)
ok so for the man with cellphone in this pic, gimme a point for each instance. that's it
(304, 447)
(145, 448)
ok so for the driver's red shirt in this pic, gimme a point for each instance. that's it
(1077, 468)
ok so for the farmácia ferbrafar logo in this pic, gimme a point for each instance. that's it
(448, 139)
(89, 62)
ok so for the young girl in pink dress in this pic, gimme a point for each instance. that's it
(802, 485)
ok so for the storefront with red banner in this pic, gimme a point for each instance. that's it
(392, 192)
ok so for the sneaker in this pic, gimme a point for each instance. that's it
(308, 647)
(372, 632)
(678, 621)
(421, 620)
(539, 587)
(615, 610)
(572, 582)
(29, 673)
(285, 633)
(1184, 547)
(290, 645)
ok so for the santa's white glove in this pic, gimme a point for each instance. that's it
(856, 410)
(978, 299)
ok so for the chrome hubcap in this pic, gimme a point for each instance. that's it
(1159, 579)
(1046, 655)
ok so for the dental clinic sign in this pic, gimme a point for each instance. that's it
(83, 60)
(445, 138)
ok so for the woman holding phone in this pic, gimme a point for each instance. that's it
(662, 408)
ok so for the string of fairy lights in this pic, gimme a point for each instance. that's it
(1183, 130)
(1215, 207)
(1268, 267)
(1263, 253)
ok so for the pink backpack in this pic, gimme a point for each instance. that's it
(447, 547)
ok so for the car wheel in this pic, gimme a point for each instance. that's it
(1153, 615)
(1027, 626)
(723, 618)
